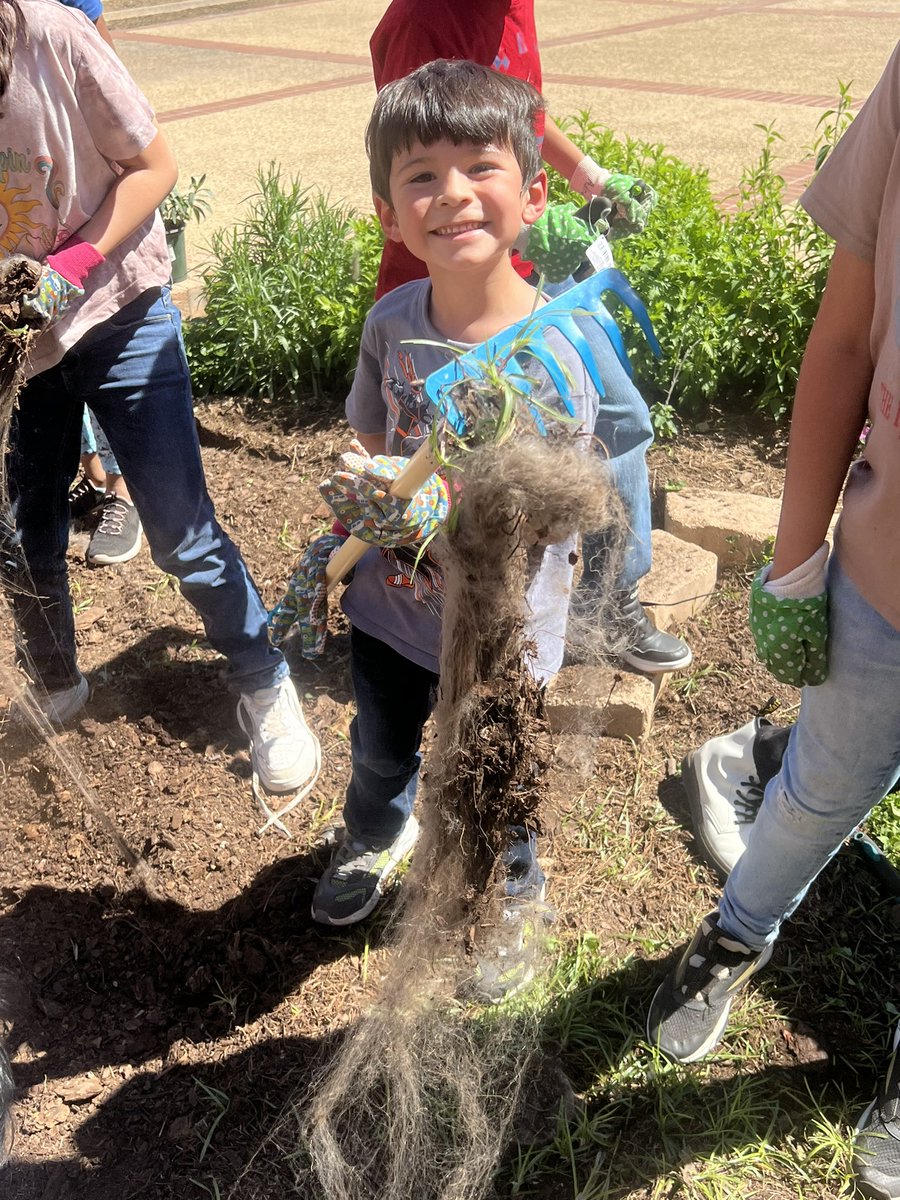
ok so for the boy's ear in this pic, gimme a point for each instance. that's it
(388, 219)
(534, 198)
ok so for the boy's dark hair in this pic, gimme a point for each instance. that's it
(457, 101)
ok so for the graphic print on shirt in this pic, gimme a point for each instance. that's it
(408, 408)
(17, 226)
(409, 423)
(420, 574)
(27, 186)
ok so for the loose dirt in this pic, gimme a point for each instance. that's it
(157, 1041)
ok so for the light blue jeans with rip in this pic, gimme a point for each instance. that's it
(843, 756)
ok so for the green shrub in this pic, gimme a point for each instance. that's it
(732, 294)
(287, 291)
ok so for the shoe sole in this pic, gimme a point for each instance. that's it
(651, 668)
(691, 786)
(407, 847)
(715, 1035)
(110, 560)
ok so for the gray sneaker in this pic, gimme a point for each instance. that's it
(876, 1149)
(689, 1011)
(117, 538)
(357, 876)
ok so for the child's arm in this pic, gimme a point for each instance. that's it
(632, 199)
(829, 410)
(146, 180)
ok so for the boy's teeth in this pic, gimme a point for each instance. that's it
(460, 228)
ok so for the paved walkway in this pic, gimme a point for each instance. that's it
(291, 82)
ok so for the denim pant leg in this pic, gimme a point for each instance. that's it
(394, 698)
(132, 372)
(45, 439)
(843, 756)
(625, 432)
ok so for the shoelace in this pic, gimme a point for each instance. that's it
(349, 853)
(115, 514)
(747, 803)
(84, 488)
(271, 714)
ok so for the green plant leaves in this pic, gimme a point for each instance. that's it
(287, 291)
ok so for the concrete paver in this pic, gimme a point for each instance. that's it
(291, 82)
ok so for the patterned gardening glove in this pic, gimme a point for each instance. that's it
(789, 622)
(632, 200)
(62, 280)
(558, 241)
(306, 598)
(358, 496)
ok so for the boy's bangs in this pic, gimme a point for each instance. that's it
(432, 121)
(455, 101)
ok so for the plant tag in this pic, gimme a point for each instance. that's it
(599, 254)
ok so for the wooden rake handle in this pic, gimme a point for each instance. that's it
(420, 468)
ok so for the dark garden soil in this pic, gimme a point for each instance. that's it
(158, 1038)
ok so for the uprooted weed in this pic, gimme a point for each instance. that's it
(421, 1097)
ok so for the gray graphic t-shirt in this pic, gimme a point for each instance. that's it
(392, 597)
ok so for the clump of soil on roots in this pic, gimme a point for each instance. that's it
(420, 1098)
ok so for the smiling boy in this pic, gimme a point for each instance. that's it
(456, 171)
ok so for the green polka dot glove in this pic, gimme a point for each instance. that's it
(557, 242)
(791, 634)
(633, 201)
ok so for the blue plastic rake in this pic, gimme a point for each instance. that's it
(584, 301)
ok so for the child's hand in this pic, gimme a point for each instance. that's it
(306, 599)
(358, 496)
(51, 297)
(558, 241)
(62, 280)
(633, 200)
(789, 622)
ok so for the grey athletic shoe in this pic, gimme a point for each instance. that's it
(358, 875)
(117, 538)
(876, 1150)
(690, 1010)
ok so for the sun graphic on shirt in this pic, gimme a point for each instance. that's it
(16, 225)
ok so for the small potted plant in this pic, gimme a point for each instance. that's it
(179, 207)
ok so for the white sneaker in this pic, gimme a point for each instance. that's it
(58, 707)
(284, 752)
(724, 793)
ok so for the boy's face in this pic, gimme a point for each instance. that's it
(459, 207)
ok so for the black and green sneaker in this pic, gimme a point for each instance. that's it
(358, 876)
(876, 1150)
(690, 1010)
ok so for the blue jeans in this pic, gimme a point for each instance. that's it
(625, 431)
(843, 756)
(394, 699)
(132, 372)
